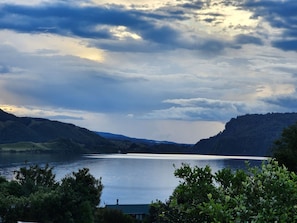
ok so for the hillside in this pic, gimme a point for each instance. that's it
(247, 135)
(43, 135)
(119, 137)
(127, 144)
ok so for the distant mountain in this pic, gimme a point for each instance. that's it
(37, 134)
(247, 135)
(112, 136)
(127, 144)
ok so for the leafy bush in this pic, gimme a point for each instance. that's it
(260, 194)
(285, 148)
(34, 195)
(105, 215)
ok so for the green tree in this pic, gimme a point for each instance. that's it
(34, 177)
(34, 195)
(260, 194)
(28, 196)
(285, 148)
(81, 193)
(105, 215)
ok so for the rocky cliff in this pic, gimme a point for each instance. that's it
(247, 135)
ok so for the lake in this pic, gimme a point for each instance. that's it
(131, 178)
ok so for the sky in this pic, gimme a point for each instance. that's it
(174, 70)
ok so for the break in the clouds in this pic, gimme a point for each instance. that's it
(145, 69)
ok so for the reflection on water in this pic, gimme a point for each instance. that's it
(131, 178)
(172, 156)
(13, 161)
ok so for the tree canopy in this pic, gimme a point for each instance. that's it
(260, 194)
(285, 148)
(35, 195)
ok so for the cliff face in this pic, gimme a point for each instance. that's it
(247, 135)
(24, 129)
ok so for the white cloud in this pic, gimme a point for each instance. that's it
(156, 66)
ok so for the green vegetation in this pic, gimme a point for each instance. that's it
(23, 147)
(34, 195)
(59, 146)
(285, 148)
(25, 134)
(260, 194)
(105, 215)
(36, 135)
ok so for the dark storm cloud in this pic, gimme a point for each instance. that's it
(212, 46)
(286, 45)
(202, 109)
(209, 20)
(287, 102)
(193, 5)
(248, 39)
(64, 19)
(86, 22)
(4, 69)
(164, 35)
(94, 22)
(279, 14)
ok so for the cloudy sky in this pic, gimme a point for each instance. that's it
(173, 70)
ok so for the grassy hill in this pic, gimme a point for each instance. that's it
(26, 134)
(23, 134)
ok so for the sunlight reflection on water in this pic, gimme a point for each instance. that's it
(171, 156)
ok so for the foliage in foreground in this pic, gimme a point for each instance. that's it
(105, 215)
(285, 148)
(260, 194)
(34, 195)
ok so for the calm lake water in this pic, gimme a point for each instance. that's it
(131, 178)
